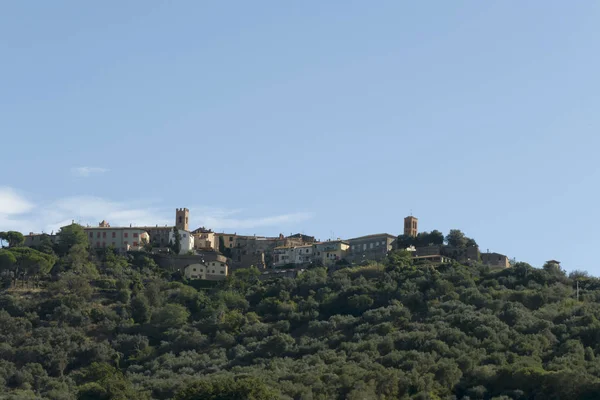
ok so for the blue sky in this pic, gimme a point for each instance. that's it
(330, 118)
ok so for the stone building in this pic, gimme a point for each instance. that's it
(495, 260)
(462, 255)
(371, 247)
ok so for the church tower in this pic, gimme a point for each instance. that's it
(182, 216)
(411, 226)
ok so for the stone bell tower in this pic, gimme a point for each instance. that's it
(182, 216)
(411, 226)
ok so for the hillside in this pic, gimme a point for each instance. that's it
(108, 327)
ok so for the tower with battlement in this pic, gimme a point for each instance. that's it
(182, 216)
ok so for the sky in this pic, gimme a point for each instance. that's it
(335, 119)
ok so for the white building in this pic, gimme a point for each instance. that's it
(186, 239)
(292, 255)
(210, 270)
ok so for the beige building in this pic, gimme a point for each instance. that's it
(205, 239)
(210, 270)
(331, 251)
(229, 240)
(121, 239)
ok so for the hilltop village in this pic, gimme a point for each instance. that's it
(203, 254)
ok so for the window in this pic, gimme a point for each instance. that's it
(125, 234)
(222, 272)
(180, 219)
(194, 269)
(103, 234)
(371, 246)
(114, 244)
(125, 243)
(184, 235)
(103, 244)
(230, 239)
(135, 244)
(91, 234)
(97, 244)
(213, 271)
(135, 235)
(98, 234)
(114, 235)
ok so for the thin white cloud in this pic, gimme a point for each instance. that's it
(12, 203)
(85, 172)
(233, 223)
(89, 210)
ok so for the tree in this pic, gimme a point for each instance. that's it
(175, 245)
(170, 316)
(140, 309)
(471, 242)
(7, 260)
(456, 238)
(15, 239)
(248, 388)
(69, 236)
(46, 245)
(436, 238)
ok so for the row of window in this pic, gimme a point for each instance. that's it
(135, 244)
(207, 271)
(364, 245)
(114, 235)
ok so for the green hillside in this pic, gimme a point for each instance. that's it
(82, 326)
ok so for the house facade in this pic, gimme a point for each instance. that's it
(186, 239)
(298, 255)
(371, 247)
(121, 239)
(330, 252)
(205, 239)
(215, 270)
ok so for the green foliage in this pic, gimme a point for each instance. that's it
(102, 326)
(175, 245)
(228, 388)
(69, 236)
(13, 238)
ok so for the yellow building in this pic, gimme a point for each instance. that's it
(205, 239)
(331, 251)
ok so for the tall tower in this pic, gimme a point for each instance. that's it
(182, 216)
(411, 226)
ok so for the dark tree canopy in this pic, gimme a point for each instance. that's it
(99, 325)
(69, 236)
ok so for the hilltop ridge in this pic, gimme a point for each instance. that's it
(99, 326)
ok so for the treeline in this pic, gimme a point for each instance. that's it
(102, 326)
(455, 238)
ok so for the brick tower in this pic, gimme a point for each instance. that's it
(182, 216)
(411, 226)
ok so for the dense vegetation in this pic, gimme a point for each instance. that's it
(81, 325)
